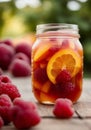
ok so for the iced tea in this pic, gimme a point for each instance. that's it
(57, 63)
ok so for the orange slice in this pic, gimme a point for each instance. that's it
(63, 59)
(42, 51)
(37, 85)
(46, 87)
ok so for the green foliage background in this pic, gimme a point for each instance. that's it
(51, 11)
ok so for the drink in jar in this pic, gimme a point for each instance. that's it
(57, 63)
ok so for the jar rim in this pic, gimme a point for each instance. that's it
(58, 25)
(57, 29)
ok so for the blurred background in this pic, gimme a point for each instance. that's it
(18, 20)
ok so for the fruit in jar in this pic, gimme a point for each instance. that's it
(42, 51)
(63, 76)
(69, 90)
(46, 98)
(45, 50)
(63, 59)
(68, 44)
(46, 87)
(42, 87)
(40, 75)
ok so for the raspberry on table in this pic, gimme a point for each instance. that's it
(6, 55)
(7, 42)
(1, 122)
(24, 104)
(64, 76)
(21, 56)
(20, 68)
(24, 114)
(9, 89)
(4, 79)
(5, 104)
(1, 71)
(63, 108)
(24, 48)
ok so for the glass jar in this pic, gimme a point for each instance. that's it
(57, 63)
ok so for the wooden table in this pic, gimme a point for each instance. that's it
(80, 121)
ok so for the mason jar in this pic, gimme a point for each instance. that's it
(57, 63)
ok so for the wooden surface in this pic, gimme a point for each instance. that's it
(80, 121)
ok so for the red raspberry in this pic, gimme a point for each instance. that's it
(53, 39)
(1, 122)
(4, 79)
(1, 71)
(7, 42)
(40, 75)
(24, 114)
(24, 48)
(20, 68)
(64, 76)
(6, 56)
(24, 104)
(65, 44)
(9, 89)
(21, 56)
(53, 50)
(5, 104)
(68, 89)
(63, 108)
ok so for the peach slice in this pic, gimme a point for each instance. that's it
(42, 51)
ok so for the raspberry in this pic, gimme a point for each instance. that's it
(9, 89)
(23, 114)
(7, 42)
(24, 48)
(1, 122)
(40, 75)
(63, 108)
(24, 104)
(20, 68)
(64, 76)
(1, 71)
(53, 50)
(67, 88)
(21, 56)
(6, 56)
(53, 39)
(65, 44)
(4, 79)
(5, 104)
